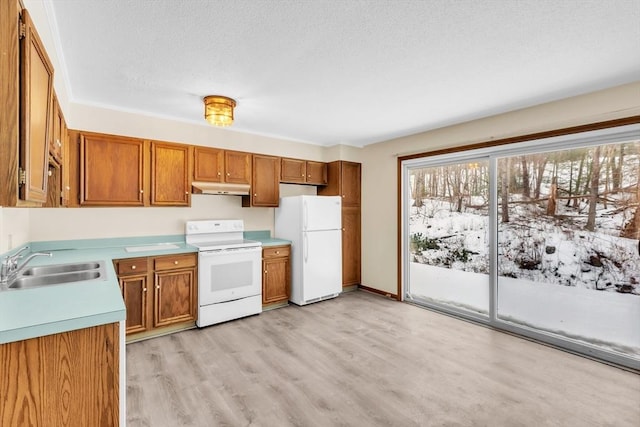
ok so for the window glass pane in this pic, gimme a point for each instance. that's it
(448, 236)
(568, 254)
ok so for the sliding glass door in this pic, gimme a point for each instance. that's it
(448, 231)
(539, 238)
(568, 261)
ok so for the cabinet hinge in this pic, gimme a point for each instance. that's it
(22, 30)
(22, 176)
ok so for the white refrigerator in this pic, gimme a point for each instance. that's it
(314, 226)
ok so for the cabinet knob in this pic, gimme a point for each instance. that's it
(157, 286)
(144, 289)
(255, 194)
(344, 229)
(219, 174)
(308, 176)
(141, 191)
(265, 272)
(303, 175)
(175, 262)
(277, 252)
(186, 192)
(133, 267)
(343, 196)
(228, 173)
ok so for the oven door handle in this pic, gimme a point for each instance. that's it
(229, 251)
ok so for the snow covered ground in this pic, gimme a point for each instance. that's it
(607, 319)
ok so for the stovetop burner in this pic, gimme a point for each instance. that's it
(218, 234)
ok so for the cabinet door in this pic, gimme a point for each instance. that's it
(237, 167)
(66, 164)
(36, 91)
(208, 164)
(64, 379)
(350, 246)
(316, 173)
(293, 170)
(134, 293)
(265, 190)
(111, 171)
(55, 142)
(350, 183)
(169, 174)
(276, 276)
(174, 297)
(54, 183)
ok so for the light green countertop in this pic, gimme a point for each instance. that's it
(265, 238)
(30, 313)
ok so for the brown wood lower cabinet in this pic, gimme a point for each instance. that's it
(160, 293)
(65, 379)
(276, 275)
(351, 246)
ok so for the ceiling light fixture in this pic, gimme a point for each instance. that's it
(218, 110)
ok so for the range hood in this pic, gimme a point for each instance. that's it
(223, 188)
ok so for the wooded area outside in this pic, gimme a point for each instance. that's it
(568, 254)
(589, 196)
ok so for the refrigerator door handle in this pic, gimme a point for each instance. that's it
(306, 246)
(305, 215)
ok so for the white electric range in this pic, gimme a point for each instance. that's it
(229, 270)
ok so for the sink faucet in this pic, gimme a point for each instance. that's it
(10, 269)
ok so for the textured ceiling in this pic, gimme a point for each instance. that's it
(343, 71)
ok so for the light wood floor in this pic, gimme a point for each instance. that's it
(363, 360)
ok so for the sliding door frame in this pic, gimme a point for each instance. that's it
(591, 135)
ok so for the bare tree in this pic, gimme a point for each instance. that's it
(526, 190)
(631, 230)
(504, 167)
(540, 161)
(553, 195)
(617, 162)
(578, 182)
(418, 188)
(593, 189)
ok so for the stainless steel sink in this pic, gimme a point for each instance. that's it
(53, 279)
(58, 274)
(60, 268)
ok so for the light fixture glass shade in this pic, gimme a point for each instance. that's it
(218, 110)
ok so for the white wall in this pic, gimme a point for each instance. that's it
(84, 223)
(14, 228)
(379, 164)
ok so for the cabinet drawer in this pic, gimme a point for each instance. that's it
(132, 266)
(276, 252)
(173, 262)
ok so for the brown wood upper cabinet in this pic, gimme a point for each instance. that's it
(216, 165)
(170, 183)
(344, 180)
(58, 174)
(112, 170)
(296, 171)
(36, 94)
(265, 189)
(59, 130)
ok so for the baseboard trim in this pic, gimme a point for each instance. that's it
(378, 292)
